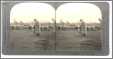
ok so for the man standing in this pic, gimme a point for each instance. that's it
(36, 27)
(83, 28)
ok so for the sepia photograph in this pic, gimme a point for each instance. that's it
(40, 26)
(55, 28)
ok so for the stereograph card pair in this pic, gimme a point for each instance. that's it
(55, 27)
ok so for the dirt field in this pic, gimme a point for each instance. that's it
(65, 40)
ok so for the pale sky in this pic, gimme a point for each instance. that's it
(26, 12)
(71, 12)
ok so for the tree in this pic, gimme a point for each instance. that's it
(15, 24)
(101, 23)
(62, 24)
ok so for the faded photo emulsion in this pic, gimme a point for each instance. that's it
(64, 28)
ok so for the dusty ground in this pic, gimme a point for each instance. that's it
(65, 40)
